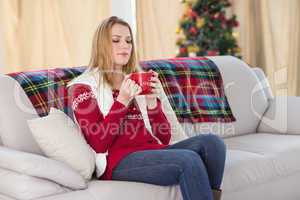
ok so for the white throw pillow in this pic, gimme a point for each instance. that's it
(24, 187)
(41, 167)
(60, 139)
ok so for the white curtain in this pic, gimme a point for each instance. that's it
(48, 33)
(156, 25)
(270, 39)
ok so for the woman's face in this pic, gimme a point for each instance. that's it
(121, 45)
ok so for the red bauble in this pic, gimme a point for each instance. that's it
(236, 23)
(192, 13)
(233, 23)
(193, 30)
(212, 53)
(222, 17)
(223, 25)
(182, 50)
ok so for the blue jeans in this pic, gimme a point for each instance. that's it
(196, 164)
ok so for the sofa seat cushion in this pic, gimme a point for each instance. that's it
(112, 190)
(2, 197)
(133, 191)
(25, 187)
(259, 158)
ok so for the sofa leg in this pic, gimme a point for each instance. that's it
(217, 194)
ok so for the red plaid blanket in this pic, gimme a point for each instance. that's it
(47, 88)
(194, 88)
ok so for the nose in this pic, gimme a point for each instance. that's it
(124, 44)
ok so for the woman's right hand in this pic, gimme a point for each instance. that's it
(128, 90)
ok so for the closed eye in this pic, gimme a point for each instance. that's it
(117, 41)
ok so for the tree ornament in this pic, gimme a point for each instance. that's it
(236, 34)
(178, 30)
(182, 50)
(200, 22)
(193, 30)
(193, 48)
(212, 53)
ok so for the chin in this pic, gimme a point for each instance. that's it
(122, 62)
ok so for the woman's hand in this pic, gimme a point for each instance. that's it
(155, 84)
(128, 90)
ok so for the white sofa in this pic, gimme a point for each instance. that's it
(263, 145)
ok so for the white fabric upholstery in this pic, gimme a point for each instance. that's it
(40, 166)
(16, 108)
(24, 187)
(285, 188)
(61, 139)
(114, 190)
(264, 82)
(282, 116)
(245, 96)
(153, 192)
(260, 158)
(2, 197)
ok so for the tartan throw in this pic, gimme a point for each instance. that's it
(47, 88)
(194, 88)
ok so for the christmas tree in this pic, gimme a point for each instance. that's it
(205, 30)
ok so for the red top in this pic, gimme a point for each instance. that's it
(122, 131)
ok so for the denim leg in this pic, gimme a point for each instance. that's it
(212, 150)
(167, 167)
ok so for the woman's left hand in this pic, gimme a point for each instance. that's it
(155, 84)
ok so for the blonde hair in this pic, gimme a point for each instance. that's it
(101, 55)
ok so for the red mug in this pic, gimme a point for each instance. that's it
(143, 79)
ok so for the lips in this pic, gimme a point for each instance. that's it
(123, 54)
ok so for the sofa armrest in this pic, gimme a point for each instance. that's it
(25, 187)
(282, 116)
(41, 167)
(264, 82)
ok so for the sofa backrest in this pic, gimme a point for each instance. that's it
(245, 95)
(243, 90)
(1, 143)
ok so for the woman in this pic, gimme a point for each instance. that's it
(118, 127)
